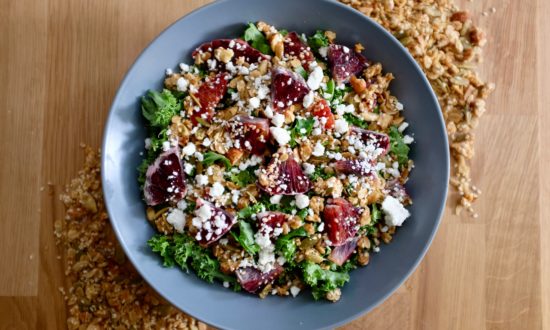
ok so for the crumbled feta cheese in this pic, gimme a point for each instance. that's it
(254, 102)
(395, 212)
(184, 67)
(323, 51)
(315, 78)
(341, 109)
(281, 135)
(407, 139)
(216, 190)
(206, 142)
(278, 119)
(176, 218)
(308, 168)
(302, 201)
(321, 227)
(308, 100)
(294, 290)
(316, 131)
(341, 126)
(399, 106)
(201, 180)
(275, 199)
(169, 72)
(147, 143)
(318, 150)
(182, 204)
(182, 84)
(189, 149)
(268, 111)
(166, 145)
(204, 212)
(403, 127)
(225, 284)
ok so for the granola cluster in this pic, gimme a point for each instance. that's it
(103, 290)
(447, 45)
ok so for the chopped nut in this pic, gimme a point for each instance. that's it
(223, 55)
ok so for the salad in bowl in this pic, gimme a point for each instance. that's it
(275, 162)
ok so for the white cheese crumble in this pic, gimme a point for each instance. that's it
(341, 109)
(281, 135)
(147, 143)
(216, 190)
(395, 212)
(399, 106)
(323, 51)
(206, 142)
(321, 227)
(182, 204)
(189, 149)
(318, 150)
(182, 84)
(184, 67)
(407, 139)
(278, 119)
(275, 199)
(341, 126)
(268, 111)
(403, 127)
(169, 72)
(166, 145)
(308, 100)
(204, 212)
(201, 180)
(315, 78)
(225, 284)
(302, 201)
(294, 290)
(308, 168)
(254, 102)
(176, 218)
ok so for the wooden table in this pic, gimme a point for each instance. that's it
(61, 62)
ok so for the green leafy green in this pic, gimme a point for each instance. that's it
(243, 178)
(328, 92)
(184, 251)
(317, 40)
(319, 172)
(256, 38)
(301, 127)
(211, 157)
(339, 95)
(397, 147)
(375, 213)
(322, 281)
(283, 32)
(246, 238)
(355, 121)
(302, 213)
(301, 71)
(248, 211)
(159, 108)
(286, 246)
(162, 245)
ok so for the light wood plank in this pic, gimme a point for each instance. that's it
(22, 54)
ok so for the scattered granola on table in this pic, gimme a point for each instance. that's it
(447, 45)
(103, 290)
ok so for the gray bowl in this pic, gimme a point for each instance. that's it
(212, 303)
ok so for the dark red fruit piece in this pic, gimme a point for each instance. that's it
(209, 95)
(215, 226)
(397, 190)
(250, 133)
(340, 218)
(294, 46)
(379, 140)
(283, 177)
(252, 279)
(165, 179)
(341, 253)
(359, 167)
(321, 109)
(287, 88)
(344, 62)
(240, 49)
(268, 221)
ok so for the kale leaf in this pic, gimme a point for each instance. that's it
(211, 157)
(322, 281)
(256, 39)
(159, 108)
(246, 238)
(397, 147)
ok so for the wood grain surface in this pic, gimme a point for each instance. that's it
(61, 62)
